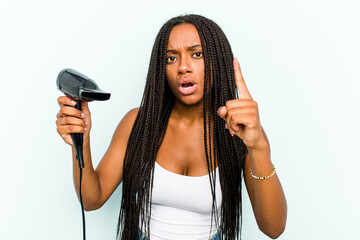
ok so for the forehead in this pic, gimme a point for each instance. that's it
(183, 35)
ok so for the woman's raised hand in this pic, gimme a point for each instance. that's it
(71, 120)
(242, 115)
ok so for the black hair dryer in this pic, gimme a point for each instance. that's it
(80, 88)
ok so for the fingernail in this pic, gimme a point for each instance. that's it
(82, 115)
(73, 102)
(86, 123)
(226, 126)
(85, 129)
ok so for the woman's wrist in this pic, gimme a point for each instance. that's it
(261, 164)
(260, 148)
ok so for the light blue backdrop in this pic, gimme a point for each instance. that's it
(300, 60)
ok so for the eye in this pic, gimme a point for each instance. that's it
(198, 54)
(171, 59)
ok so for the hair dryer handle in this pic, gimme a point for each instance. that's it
(78, 141)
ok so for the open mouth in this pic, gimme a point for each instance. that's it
(187, 88)
(187, 85)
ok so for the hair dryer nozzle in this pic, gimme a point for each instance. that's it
(93, 95)
(80, 87)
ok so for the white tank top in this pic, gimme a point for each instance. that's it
(182, 205)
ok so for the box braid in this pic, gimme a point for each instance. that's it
(152, 121)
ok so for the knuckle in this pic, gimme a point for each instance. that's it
(70, 121)
(71, 128)
(61, 111)
(228, 104)
(66, 120)
(253, 110)
(60, 130)
(230, 112)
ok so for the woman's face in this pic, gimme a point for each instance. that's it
(185, 64)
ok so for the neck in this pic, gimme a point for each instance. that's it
(188, 113)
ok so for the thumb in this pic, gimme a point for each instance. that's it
(222, 111)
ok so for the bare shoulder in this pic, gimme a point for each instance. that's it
(128, 120)
(121, 136)
(130, 116)
(124, 127)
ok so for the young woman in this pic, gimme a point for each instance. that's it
(183, 153)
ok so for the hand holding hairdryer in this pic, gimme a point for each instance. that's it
(79, 87)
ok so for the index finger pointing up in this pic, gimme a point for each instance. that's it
(240, 83)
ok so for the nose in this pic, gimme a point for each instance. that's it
(184, 66)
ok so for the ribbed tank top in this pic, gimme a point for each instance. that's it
(182, 205)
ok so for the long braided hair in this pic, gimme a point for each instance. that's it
(152, 121)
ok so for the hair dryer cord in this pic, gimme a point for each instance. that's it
(82, 205)
(78, 144)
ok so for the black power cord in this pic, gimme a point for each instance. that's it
(78, 144)
(82, 206)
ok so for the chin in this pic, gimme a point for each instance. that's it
(191, 101)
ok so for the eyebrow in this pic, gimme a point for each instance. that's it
(189, 48)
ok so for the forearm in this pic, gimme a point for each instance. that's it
(269, 203)
(90, 184)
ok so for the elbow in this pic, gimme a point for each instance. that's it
(274, 231)
(91, 207)
(274, 224)
(91, 203)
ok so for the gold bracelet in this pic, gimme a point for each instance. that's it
(263, 178)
